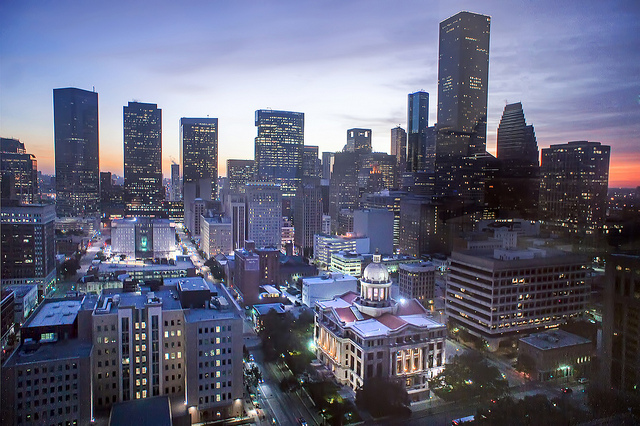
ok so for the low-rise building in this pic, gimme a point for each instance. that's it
(142, 238)
(508, 293)
(417, 281)
(216, 235)
(347, 262)
(556, 354)
(359, 336)
(26, 300)
(326, 286)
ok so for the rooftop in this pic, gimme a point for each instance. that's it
(138, 265)
(55, 312)
(154, 411)
(119, 299)
(50, 352)
(554, 339)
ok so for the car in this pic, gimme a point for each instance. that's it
(583, 380)
(567, 390)
(302, 421)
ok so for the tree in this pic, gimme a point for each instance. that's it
(383, 397)
(69, 267)
(468, 375)
(531, 410)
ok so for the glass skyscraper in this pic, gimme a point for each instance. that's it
(199, 152)
(143, 159)
(75, 117)
(279, 148)
(418, 146)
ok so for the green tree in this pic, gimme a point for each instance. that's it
(383, 397)
(468, 375)
(69, 267)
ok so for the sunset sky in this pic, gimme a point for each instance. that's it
(575, 66)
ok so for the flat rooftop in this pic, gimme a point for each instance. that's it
(166, 295)
(49, 352)
(154, 411)
(554, 339)
(138, 265)
(55, 312)
(189, 284)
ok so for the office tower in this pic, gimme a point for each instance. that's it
(389, 200)
(358, 140)
(310, 162)
(143, 238)
(515, 183)
(307, 215)
(279, 147)
(343, 192)
(199, 162)
(376, 323)
(75, 119)
(417, 281)
(106, 189)
(28, 245)
(269, 261)
(417, 123)
(327, 164)
(216, 236)
(143, 188)
(264, 213)
(463, 72)
(399, 150)
(246, 277)
(236, 209)
(377, 225)
(377, 171)
(621, 329)
(176, 186)
(521, 291)
(18, 172)
(239, 172)
(48, 379)
(573, 189)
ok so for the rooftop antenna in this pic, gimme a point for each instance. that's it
(94, 89)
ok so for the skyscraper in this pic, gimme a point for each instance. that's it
(239, 173)
(199, 160)
(18, 171)
(463, 76)
(359, 140)
(417, 123)
(310, 162)
(399, 146)
(278, 148)
(573, 188)
(143, 159)
(516, 139)
(327, 164)
(516, 186)
(463, 73)
(264, 214)
(175, 183)
(308, 214)
(75, 119)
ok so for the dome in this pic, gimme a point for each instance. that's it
(375, 273)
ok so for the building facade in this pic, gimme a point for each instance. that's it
(420, 157)
(143, 187)
(279, 149)
(264, 213)
(417, 281)
(358, 140)
(143, 238)
(75, 118)
(239, 172)
(503, 293)
(359, 336)
(18, 172)
(216, 236)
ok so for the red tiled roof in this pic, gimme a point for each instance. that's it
(349, 296)
(411, 307)
(391, 321)
(345, 314)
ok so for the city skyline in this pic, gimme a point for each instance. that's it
(575, 74)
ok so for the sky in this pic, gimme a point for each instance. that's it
(575, 66)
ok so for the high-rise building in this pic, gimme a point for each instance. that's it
(377, 224)
(358, 140)
(463, 74)
(621, 328)
(236, 209)
(216, 236)
(417, 123)
(310, 162)
(176, 187)
(307, 215)
(344, 192)
(144, 192)
(143, 238)
(75, 119)
(506, 293)
(377, 171)
(278, 148)
(28, 245)
(18, 172)
(239, 173)
(516, 184)
(199, 161)
(399, 150)
(264, 214)
(573, 189)
(417, 281)
(327, 164)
